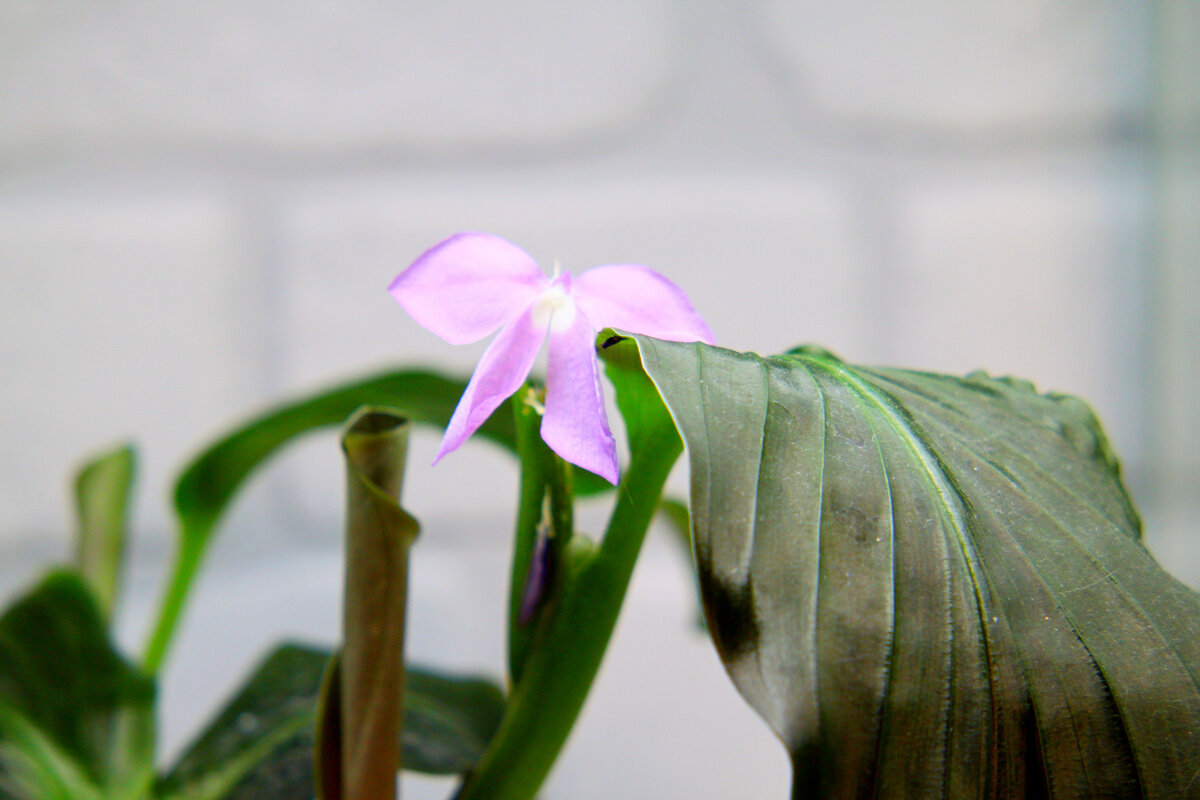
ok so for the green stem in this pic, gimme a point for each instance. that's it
(559, 671)
(187, 563)
(140, 787)
(543, 475)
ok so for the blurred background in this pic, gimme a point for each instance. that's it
(201, 205)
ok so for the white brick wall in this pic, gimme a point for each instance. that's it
(118, 318)
(1175, 421)
(201, 206)
(984, 69)
(296, 77)
(1028, 272)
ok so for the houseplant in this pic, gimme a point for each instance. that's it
(928, 586)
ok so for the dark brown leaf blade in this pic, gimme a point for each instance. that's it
(932, 586)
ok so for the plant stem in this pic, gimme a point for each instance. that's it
(570, 645)
(544, 477)
(188, 555)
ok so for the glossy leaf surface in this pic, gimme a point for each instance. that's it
(932, 586)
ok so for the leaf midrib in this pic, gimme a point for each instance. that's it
(1097, 515)
(935, 473)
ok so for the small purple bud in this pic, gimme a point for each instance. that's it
(541, 573)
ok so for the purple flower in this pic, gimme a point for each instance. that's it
(474, 283)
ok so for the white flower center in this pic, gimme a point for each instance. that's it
(554, 308)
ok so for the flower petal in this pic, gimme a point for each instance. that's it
(638, 300)
(575, 425)
(500, 372)
(468, 286)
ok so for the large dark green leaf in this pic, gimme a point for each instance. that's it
(932, 586)
(260, 746)
(73, 713)
(212, 480)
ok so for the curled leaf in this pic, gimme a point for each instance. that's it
(378, 536)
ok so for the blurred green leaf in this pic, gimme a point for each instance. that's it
(211, 481)
(448, 721)
(103, 487)
(34, 767)
(207, 485)
(260, 745)
(932, 586)
(675, 513)
(73, 713)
